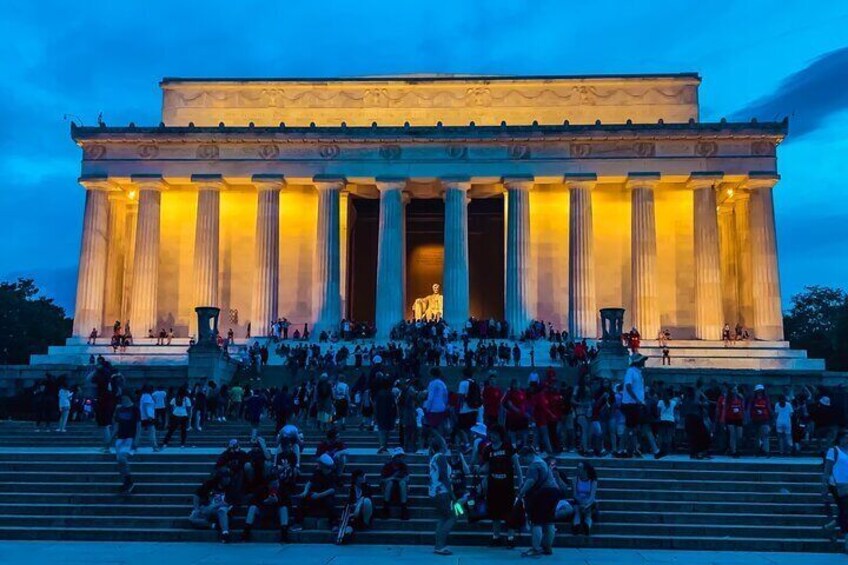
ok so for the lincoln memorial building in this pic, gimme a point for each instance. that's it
(525, 198)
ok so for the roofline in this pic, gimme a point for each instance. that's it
(754, 128)
(687, 76)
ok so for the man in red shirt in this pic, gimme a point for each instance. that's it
(760, 410)
(492, 396)
(542, 415)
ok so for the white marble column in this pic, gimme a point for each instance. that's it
(708, 301)
(116, 258)
(344, 243)
(129, 255)
(207, 234)
(741, 200)
(327, 297)
(455, 278)
(727, 246)
(645, 310)
(266, 274)
(91, 277)
(145, 287)
(768, 317)
(405, 199)
(517, 303)
(582, 302)
(390, 252)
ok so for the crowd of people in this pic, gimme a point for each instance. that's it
(490, 445)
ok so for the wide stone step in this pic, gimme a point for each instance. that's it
(625, 541)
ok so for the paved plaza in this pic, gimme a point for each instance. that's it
(203, 553)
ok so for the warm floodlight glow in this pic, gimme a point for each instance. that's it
(729, 192)
(131, 195)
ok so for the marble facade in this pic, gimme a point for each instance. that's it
(616, 195)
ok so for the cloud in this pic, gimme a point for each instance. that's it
(808, 97)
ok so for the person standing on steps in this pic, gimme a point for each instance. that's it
(127, 422)
(501, 470)
(634, 409)
(147, 407)
(442, 494)
(180, 409)
(835, 482)
(541, 495)
(65, 397)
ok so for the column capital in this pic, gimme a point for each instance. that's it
(643, 180)
(580, 180)
(387, 184)
(99, 183)
(208, 182)
(149, 182)
(458, 183)
(405, 197)
(268, 182)
(704, 179)
(329, 182)
(519, 182)
(760, 179)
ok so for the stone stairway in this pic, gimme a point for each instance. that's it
(58, 486)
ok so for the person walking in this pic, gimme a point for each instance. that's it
(501, 470)
(180, 410)
(835, 482)
(147, 407)
(442, 494)
(760, 414)
(127, 422)
(65, 397)
(634, 409)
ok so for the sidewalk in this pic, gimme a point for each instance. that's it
(84, 553)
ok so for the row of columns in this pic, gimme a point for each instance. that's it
(328, 265)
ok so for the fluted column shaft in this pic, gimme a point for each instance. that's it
(327, 297)
(582, 304)
(129, 257)
(389, 311)
(744, 259)
(344, 235)
(207, 233)
(456, 298)
(266, 274)
(517, 303)
(768, 318)
(91, 277)
(645, 313)
(117, 257)
(144, 312)
(708, 297)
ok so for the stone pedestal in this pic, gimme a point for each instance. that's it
(456, 300)
(612, 359)
(390, 252)
(145, 287)
(91, 279)
(266, 276)
(207, 361)
(645, 312)
(517, 303)
(582, 313)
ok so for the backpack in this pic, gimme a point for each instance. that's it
(474, 398)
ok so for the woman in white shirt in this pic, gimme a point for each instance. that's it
(180, 409)
(835, 481)
(668, 420)
(65, 396)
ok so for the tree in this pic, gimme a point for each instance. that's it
(29, 323)
(818, 322)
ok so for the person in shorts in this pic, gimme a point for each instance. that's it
(127, 422)
(633, 407)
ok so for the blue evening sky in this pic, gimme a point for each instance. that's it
(757, 58)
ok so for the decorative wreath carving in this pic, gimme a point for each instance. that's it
(148, 151)
(456, 151)
(269, 151)
(208, 151)
(389, 152)
(644, 149)
(706, 148)
(94, 152)
(518, 152)
(329, 151)
(580, 150)
(762, 148)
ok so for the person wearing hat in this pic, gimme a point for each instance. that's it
(318, 496)
(759, 409)
(127, 426)
(395, 478)
(825, 422)
(633, 408)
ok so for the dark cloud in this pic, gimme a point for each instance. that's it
(808, 97)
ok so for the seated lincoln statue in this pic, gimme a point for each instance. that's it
(429, 307)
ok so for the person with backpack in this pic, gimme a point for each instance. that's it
(324, 402)
(835, 482)
(469, 401)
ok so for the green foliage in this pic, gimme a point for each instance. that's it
(818, 322)
(28, 322)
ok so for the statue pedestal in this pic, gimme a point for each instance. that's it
(612, 360)
(207, 361)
